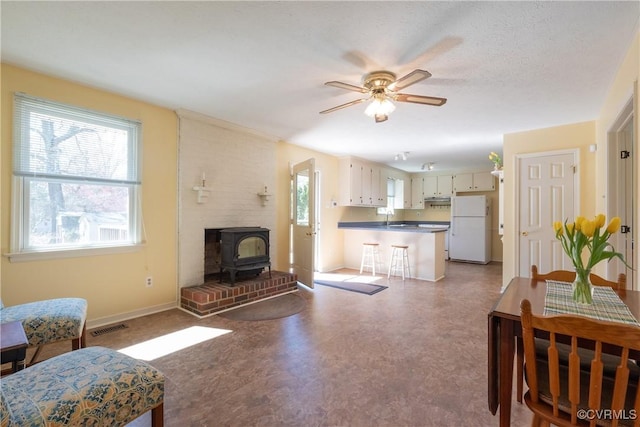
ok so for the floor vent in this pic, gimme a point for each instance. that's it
(108, 329)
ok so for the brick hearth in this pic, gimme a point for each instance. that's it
(213, 296)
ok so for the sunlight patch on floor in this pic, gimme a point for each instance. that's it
(337, 277)
(170, 343)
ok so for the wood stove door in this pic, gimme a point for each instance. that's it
(303, 224)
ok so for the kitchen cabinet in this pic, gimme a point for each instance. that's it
(417, 193)
(473, 181)
(438, 186)
(430, 186)
(379, 192)
(366, 183)
(407, 193)
(350, 175)
(445, 185)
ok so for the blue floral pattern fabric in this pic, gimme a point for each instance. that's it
(49, 320)
(94, 386)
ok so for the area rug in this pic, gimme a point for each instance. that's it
(362, 288)
(273, 308)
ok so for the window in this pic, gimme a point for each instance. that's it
(76, 178)
(391, 194)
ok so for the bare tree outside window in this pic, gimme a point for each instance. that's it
(79, 176)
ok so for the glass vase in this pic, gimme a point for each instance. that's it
(582, 287)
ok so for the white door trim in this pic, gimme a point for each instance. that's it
(626, 117)
(576, 182)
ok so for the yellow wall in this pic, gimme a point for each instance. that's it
(574, 136)
(112, 284)
(330, 236)
(593, 175)
(623, 89)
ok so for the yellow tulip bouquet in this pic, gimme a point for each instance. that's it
(496, 159)
(587, 234)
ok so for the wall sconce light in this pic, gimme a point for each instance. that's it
(265, 195)
(202, 190)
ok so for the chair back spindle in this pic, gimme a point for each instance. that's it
(586, 381)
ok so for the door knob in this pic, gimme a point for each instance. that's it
(525, 233)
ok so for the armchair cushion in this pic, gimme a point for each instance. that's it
(48, 320)
(92, 386)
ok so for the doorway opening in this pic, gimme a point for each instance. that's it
(621, 179)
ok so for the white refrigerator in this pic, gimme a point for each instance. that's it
(470, 231)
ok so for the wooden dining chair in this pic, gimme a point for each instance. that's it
(590, 384)
(560, 276)
(569, 276)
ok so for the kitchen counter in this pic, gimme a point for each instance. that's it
(410, 226)
(426, 246)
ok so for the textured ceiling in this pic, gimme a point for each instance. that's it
(503, 66)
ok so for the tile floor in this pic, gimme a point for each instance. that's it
(414, 354)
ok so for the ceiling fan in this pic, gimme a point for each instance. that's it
(383, 87)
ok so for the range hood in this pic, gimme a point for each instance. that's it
(443, 199)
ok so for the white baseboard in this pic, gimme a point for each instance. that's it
(108, 320)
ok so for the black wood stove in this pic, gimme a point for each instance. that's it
(244, 249)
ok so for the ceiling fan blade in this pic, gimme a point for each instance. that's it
(413, 77)
(419, 99)
(339, 107)
(347, 86)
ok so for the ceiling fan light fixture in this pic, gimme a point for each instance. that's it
(380, 107)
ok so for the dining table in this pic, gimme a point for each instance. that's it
(504, 327)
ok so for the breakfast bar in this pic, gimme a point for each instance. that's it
(426, 244)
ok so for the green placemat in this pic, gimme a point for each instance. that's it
(607, 305)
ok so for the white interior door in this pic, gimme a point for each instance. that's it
(547, 183)
(303, 230)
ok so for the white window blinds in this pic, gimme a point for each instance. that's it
(58, 141)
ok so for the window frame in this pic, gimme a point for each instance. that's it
(20, 249)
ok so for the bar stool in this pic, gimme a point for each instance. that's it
(370, 257)
(399, 261)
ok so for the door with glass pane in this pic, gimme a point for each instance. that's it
(303, 221)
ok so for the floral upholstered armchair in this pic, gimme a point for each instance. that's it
(50, 321)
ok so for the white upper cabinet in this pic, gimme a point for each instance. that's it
(445, 186)
(476, 181)
(379, 191)
(417, 192)
(430, 186)
(366, 184)
(438, 186)
(350, 174)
